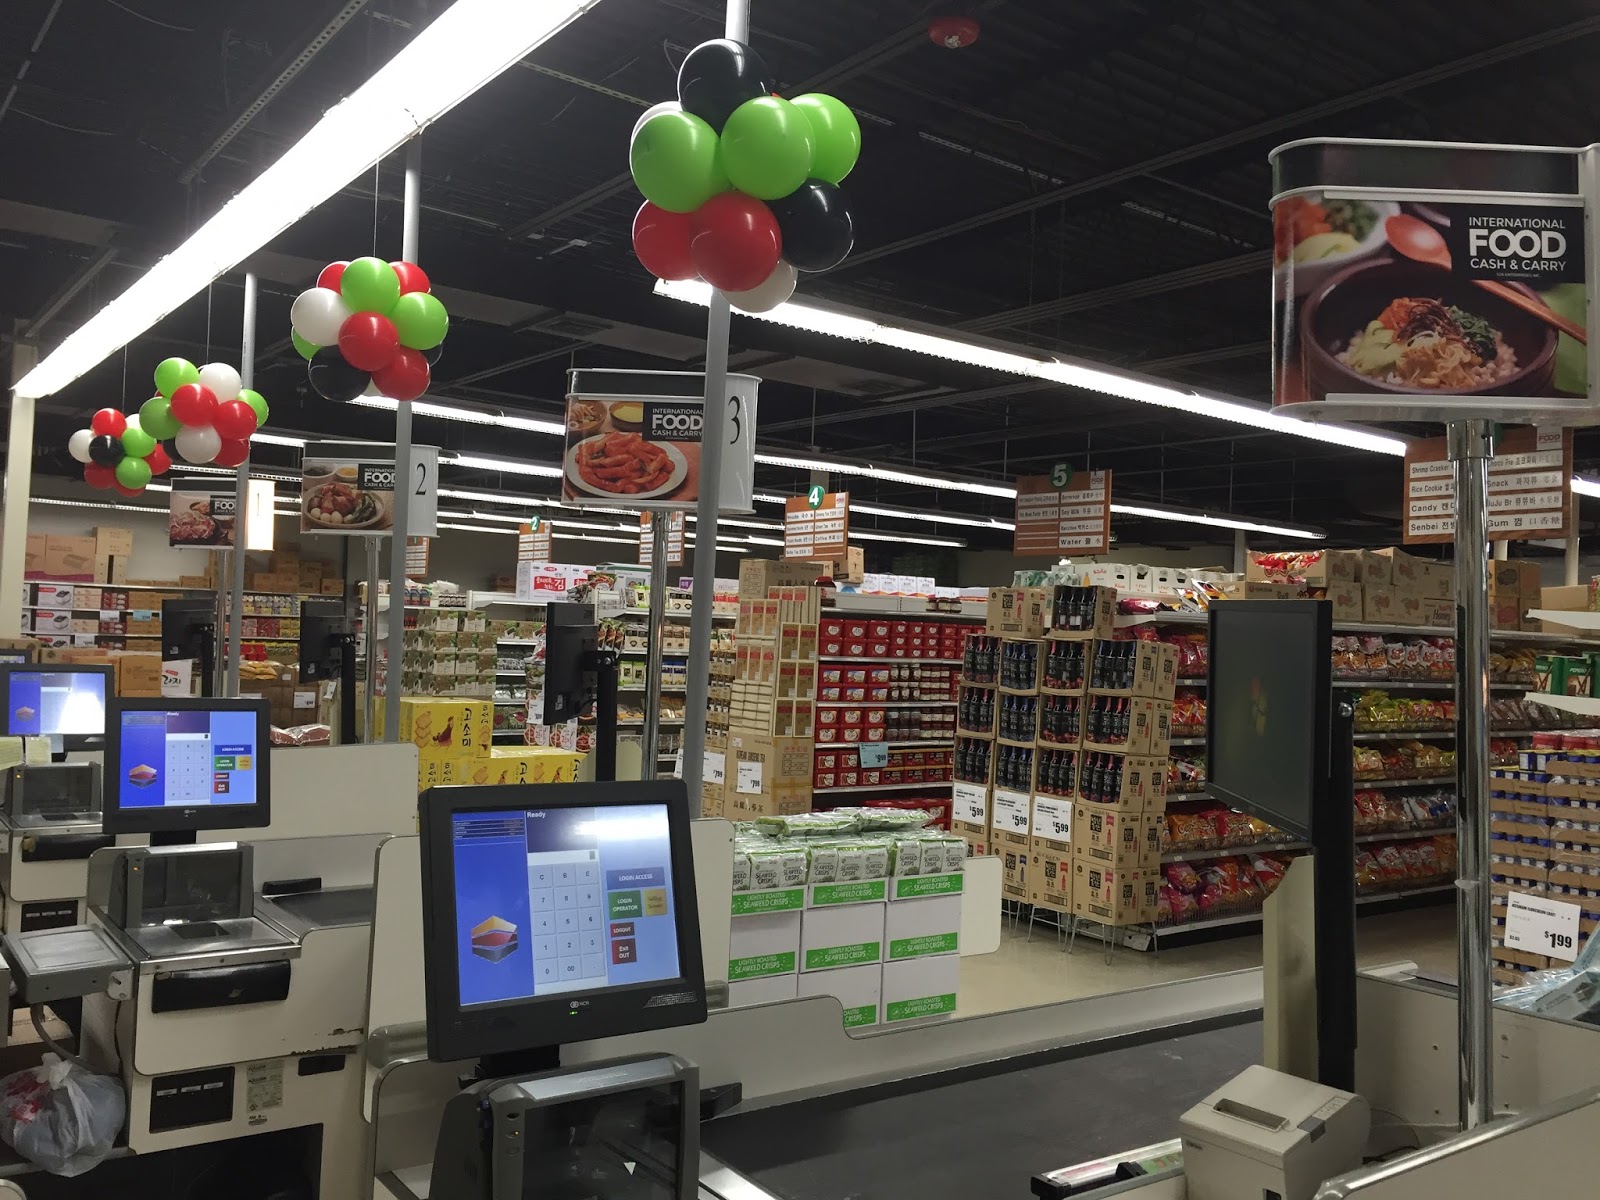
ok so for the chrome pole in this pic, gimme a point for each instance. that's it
(1470, 448)
(241, 496)
(660, 533)
(369, 626)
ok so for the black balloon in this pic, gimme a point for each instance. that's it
(816, 225)
(717, 77)
(106, 450)
(432, 356)
(333, 378)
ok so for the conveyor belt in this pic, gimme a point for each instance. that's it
(980, 1137)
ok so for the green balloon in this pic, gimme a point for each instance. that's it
(173, 373)
(135, 441)
(302, 347)
(675, 162)
(133, 472)
(156, 419)
(420, 320)
(837, 134)
(370, 285)
(767, 148)
(257, 403)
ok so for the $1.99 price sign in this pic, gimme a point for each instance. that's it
(1540, 925)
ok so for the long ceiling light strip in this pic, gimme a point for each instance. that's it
(466, 414)
(466, 46)
(1585, 487)
(812, 319)
(1195, 518)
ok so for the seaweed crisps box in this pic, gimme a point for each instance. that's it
(1403, 272)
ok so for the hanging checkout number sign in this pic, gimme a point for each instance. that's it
(634, 440)
(349, 488)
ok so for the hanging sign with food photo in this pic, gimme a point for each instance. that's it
(349, 488)
(633, 440)
(1436, 292)
(202, 513)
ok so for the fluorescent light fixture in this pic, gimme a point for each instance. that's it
(1585, 487)
(762, 541)
(100, 504)
(888, 474)
(866, 536)
(471, 416)
(206, 469)
(1194, 518)
(278, 439)
(465, 46)
(798, 315)
(561, 533)
(740, 524)
(496, 497)
(477, 528)
(507, 466)
(937, 518)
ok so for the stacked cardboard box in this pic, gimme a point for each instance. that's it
(453, 736)
(449, 653)
(772, 704)
(1514, 588)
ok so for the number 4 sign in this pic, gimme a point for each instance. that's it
(1540, 925)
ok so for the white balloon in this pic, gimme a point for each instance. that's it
(372, 389)
(770, 292)
(317, 315)
(653, 110)
(198, 443)
(222, 379)
(78, 445)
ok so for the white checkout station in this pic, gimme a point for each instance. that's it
(287, 982)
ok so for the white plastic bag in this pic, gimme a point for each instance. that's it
(60, 1116)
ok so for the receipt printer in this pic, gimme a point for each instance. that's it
(1264, 1135)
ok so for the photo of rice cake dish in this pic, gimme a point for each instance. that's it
(1418, 342)
(193, 525)
(625, 464)
(143, 775)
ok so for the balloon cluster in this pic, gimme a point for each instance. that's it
(740, 185)
(369, 327)
(206, 412)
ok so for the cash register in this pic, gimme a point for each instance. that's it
(560, 914)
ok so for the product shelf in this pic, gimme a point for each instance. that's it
(1188, 741)
(1522, 636)
(928, 744)
(1433, 781)
(887, 703)
(1426, 685)
(1201, 855)
(883, 787)
(138, 587)
(879, 662)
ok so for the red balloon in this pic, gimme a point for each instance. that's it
(97, 476)
(127, 491)
(158, 460)
(406, 376)
(108, 421)
(234, 419)
(330, 275)
(736, 243)
(234, 451)
(368, 341)
(412, 277)
(194, 404)
(661, 241)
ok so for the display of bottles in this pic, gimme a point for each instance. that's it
(972, 760)
(1014, 768)
(1018, 718)
(1019, 665)
(1114, 665)
(979, 658)
(1061, 720)
(976, 710)
(1058, 772)
(1073, 608)
(1102, 778)
(1108, 720)
(1063, 666)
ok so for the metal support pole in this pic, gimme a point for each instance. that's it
(410, 213)
(1470, 449)
(218, 681)
(736, 26)
(19, 482)
(660, 532)
(241, 495)
(1502, 551)
(1241, 551)
(1570, 562)
(369, 626)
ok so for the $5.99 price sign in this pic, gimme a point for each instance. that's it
(1540, 925)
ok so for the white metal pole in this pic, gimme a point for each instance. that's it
(369, 628)
(650, 743)
(402, 466)
(241, 494)
(1570, 575)
(19, 483)
(1241, 551)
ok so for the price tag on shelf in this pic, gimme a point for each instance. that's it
(1052, 818)
(971, 803)
(1540, 925)
(874, 754)
(677, 763)
(714, 767)
(749, 781)
(1011, 812)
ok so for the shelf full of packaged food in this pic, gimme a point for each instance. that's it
(517, 703)
(1202, 854)
(885, 662)
(863, 788)
(1430, 781)
(506, 641)
(678, 614)
(1187, 741)
(1522, 636)
(678, 724)
(137, 587)
(915, 744)
(887, 703)
(646, 653)
(1424, 685)
(861, 604)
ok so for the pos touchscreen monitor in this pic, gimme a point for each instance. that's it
(65, 702)
(557, 913)
(182, 766)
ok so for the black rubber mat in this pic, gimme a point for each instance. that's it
(981, 1137)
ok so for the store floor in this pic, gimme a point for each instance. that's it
(1025, 972)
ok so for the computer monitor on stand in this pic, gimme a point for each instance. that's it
(1279, 748)
(189, 631)
(65, 702)
(328, 651)
(176, 767)
(579, 673)
(553, 914)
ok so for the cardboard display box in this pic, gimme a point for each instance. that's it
(1050, 878)
(756, 575)
(844, 936)
(1137, 783)
(1253, 590)
(1348, 600)
(1017, 612)
(444, 726)
(533, 764)
(1011, 818)
(970, 814)
(69, 559)
(765, 989)
(859, 991)
(765, 943)
(917, 928)
(767, 776)
(34, 556)
(1122, 841)
(920, 989)
(849, 569)
(1078, 613)
(1322, 569)
(139, 675)
(1113, 897)
(1013, 872)
(112, 549)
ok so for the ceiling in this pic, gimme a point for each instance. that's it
(1090, 178)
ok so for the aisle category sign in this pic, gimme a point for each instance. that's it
(534, 541)
(1530, 487)
(1065, 512)
(817, 525)
(674, 539)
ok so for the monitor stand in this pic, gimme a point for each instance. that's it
(512, 1063)
(175, 837)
